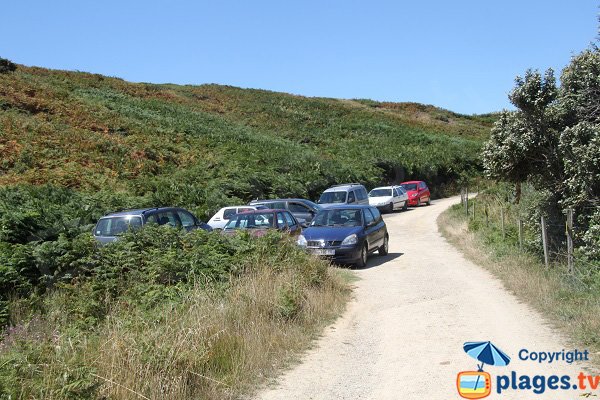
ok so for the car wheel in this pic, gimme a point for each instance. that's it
(390, 208)
(383, 250)
(428, 201)
(419, 202)
(364, 254)
(405, 206)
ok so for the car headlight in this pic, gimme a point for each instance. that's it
(350, 240)
(302, 241)
(414, 194)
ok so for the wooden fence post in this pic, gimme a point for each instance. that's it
(545, 242)
(570, 240)
(487, 219)
(467, 202)
(520, 234)
(473, 209)
(502, 223)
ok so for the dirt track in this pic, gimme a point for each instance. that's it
(402, 335)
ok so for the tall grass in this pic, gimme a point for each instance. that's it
(209, 339)
(568, 302)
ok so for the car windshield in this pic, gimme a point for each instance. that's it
(338, 217)
(333, 197)
(409, 186)
(380, 192)
(113, 226)
(251, 221)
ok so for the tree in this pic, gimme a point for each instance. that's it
(523, 142)
(552, 140)
(6, 66)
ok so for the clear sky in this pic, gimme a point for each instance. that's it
(459, 55)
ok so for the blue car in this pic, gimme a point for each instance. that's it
(111, 226)
(346, 234)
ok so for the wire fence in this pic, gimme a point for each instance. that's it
(554, 241)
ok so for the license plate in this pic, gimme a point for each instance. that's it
(323, 252)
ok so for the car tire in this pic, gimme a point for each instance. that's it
(405, 206)
(428, 201)
(390, 208)
(364, 254)
(419, 202)
(384, 248)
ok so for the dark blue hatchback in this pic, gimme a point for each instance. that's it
(111, 226)
(346, 234)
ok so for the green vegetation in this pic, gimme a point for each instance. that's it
(552, 142)
(161, 314)
(570, 301)
(166, 314)
(205, 146)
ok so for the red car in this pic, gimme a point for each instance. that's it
(260, 221)
(418, 193)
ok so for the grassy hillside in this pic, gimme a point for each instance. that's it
(204, 146)
(163, 314)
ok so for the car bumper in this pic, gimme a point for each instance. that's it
(342, 255)
(414, 201)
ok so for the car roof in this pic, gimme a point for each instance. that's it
(263, 210)
(411, 182)
(343, 187)
(384, 187)
(138, 211)
(242, 206)
(348, 207)
(271, 200)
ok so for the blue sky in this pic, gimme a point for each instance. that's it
(459, 55)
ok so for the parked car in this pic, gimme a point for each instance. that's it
(346, 234)
(300, 208)
(259, 221)
(222, 216)
(418, 193)
(389, 198)
(347, 193)
(111, 226)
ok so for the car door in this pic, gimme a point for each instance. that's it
(363, 196)
(396, 198)
(370, 228)
(188, 222)
(300, 210)
(351, 197)
(280, 221)
(294, 227)
(379, 228)
(423, 192)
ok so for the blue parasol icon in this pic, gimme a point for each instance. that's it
(487, 353)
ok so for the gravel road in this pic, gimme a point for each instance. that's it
(402, 335)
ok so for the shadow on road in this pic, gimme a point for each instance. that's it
(376, 260)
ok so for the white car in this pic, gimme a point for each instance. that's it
(389, 198)
(221, 218)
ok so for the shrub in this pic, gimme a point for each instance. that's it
(6, 66)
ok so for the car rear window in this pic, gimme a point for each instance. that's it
(251, 221)
(114, 226)
(333, 197)
(380, 192)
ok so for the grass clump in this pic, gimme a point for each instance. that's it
(171, 315)
(570, 301)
